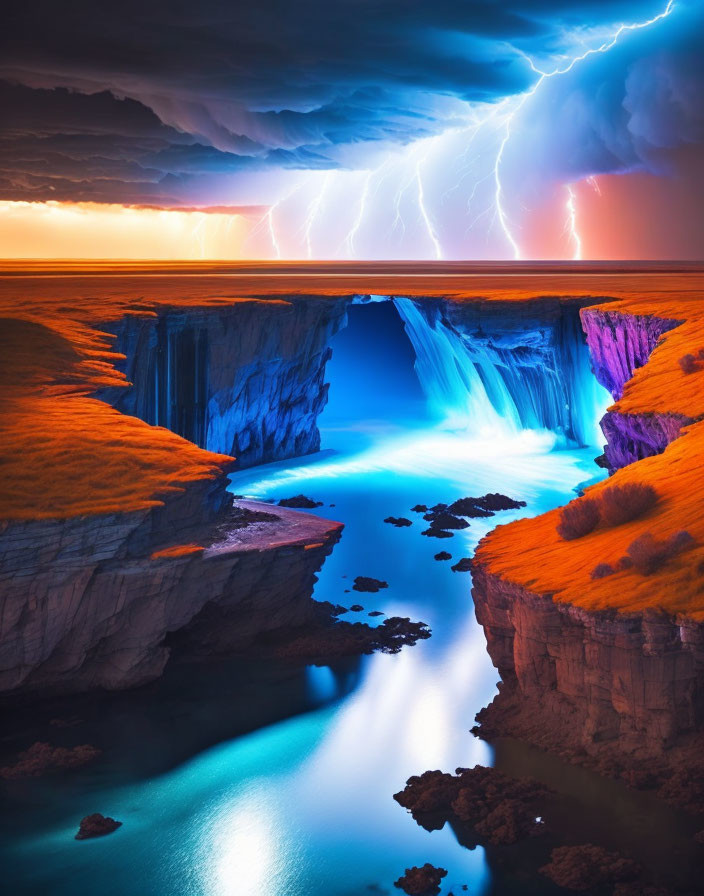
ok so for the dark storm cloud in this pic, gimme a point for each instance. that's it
(633, 109)
(141, 98)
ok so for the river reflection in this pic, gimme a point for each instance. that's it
(304, 805)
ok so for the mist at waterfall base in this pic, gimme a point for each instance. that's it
(303, 805)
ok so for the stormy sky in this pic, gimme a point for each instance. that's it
(242, 104)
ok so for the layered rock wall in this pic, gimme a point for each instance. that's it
(619, 344)
(245, 378)
(88, 601)
(587, 679)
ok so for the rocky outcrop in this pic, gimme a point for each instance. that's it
(619, 343)
(588, 866)
(96, 825)
(421, 881)
(631, 437)
(616, 685)
(89, 601)
(245, 378)
(589, 679)
(492, 807)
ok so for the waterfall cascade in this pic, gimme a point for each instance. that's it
(486, 374)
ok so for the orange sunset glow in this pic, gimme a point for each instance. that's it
(93, 230)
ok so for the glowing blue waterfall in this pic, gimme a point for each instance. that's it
(501, 381)
(451, 379)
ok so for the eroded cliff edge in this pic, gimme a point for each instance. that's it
(609, 670)
(115, 533)
(244, 378)
(108, 589)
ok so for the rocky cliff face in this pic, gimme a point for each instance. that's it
(245, 378)
(631, 437)
(583, 680)
(89, 601)
(619, 344)
(623, 692)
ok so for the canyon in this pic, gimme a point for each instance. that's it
(98, 571)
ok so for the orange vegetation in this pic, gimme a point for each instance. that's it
(63, 453)
(662, 385)
(532, 554)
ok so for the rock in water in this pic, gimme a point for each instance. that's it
(300, 501)
(41, 758)
(463, 565)
(432, 532)
(96, 825)
(495, 807)
(367, 583)
(398, 521)
(445, 520)
(485, 505)
(424, 881)
(585, 867)
(443, 555)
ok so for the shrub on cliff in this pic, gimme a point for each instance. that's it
(622, 503)
(649, 554)
(601, 570)
(688, 363)
(578, 518)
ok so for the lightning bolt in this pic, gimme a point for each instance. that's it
(314, 211)
(572, 219)
(424, 212)
(543, 76)
(349, 241)
(268, 220)
(594, 185)
(272, 230)
(489, 128)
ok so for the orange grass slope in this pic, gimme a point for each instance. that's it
(64, 454)
(530, 552)
(662, 385)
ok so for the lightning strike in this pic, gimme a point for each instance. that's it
(543, 76)
(594, 185)
(424, 213)
(272, 230)
(572, 222)
(313, 212)
(349, 241)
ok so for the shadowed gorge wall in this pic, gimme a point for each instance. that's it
(249, 379)
(246, 379)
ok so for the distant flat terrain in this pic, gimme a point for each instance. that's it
(101, 289)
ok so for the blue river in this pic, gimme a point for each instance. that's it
(301, 803)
